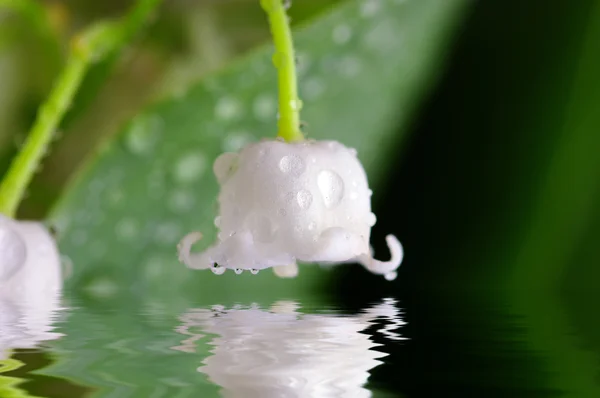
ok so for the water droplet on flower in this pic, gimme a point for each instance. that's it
(228, 108)
(304, 199)
(254, 271)
(238, 271)
(292, 164)
(190, 167)
(331, 186)
(143, 135)
(371, 219)
(217, 221)
(341, 34)
(390, 276)
(217, 269)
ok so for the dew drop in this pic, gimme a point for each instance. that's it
(341, 34)
(304, 199)
(217, 221)
(331, 186)
(390, 276)
(371, 219)
(217, 269)
(190, 167)
(292, 164)
(143, 135)
(254, 271)
(296, 104)
(238, 271)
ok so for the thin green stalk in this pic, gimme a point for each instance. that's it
(91, 46)
(285, 62)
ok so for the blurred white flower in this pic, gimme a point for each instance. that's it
(284, 202)
(30, 284)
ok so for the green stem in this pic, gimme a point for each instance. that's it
(91, 46)
(285, 62)
(25, 164)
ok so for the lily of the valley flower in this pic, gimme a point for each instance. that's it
(30, 284)
(288, 202)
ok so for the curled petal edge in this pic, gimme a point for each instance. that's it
(385, 268)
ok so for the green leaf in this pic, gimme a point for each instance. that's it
(364, 67)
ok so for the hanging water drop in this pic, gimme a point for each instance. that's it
(331, 186)
(217, 269)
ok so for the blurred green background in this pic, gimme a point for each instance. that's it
(477, 121)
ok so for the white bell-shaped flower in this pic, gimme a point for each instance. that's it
(284, 202)
(30, 284)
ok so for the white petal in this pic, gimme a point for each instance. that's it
(386, 268)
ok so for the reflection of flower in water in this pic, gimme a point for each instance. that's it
(284, 353)
(30, 284)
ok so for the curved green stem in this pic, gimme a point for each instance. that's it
(89, 47)
(285, 62)
(26, 163)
